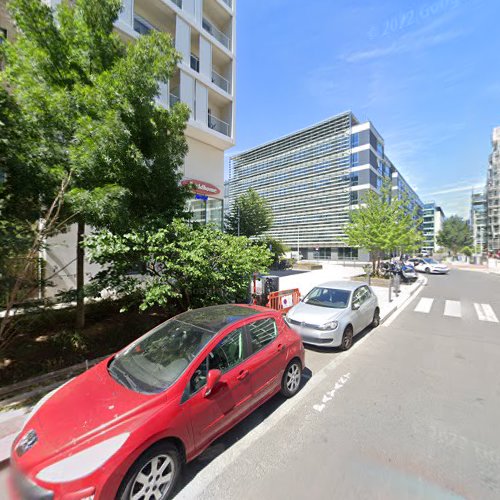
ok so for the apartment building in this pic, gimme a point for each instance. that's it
(493, 195)
(313, 178)
(6, 27)
(479, 222)
(204, 33)
(433, 218)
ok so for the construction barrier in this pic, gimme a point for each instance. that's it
(283, 300)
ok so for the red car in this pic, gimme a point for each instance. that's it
(124, 428)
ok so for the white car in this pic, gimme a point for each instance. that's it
(429, 266)
(331, 314)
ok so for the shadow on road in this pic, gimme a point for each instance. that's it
(231, 437)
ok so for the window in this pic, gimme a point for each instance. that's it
(141, 26)
(354, 198)
(354, 179)
(3, 36)
(348, 253)
(328, 297)
(354, 140)
(380, 149)
(261, 333)
(355, 159)
(229, 352)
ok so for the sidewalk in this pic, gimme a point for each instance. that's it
(304, 281)
(11, 421)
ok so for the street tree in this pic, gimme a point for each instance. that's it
(455, 234)
(383, 224)
(182, 265)
(250, 215)
(89, 101)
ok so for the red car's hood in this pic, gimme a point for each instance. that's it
(87, 405)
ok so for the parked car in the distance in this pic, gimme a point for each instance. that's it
(429, 266)
(333, 313)
(124, 428)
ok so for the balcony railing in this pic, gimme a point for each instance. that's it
(173, 99)
(219, 125)
(216, 33)
(142, 26)
(178, 3)
(221, 82)
(195, 63)
(229, 3)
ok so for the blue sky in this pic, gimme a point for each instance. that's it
(426, 73)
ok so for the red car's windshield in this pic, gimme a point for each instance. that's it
(153, 363)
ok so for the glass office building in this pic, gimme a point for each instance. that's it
(312, 179)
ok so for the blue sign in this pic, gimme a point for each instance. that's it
(201, 197)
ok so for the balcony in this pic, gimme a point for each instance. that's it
(220, 126)
(178, 3)
(221, 82)
(229, 3)
(216, 33)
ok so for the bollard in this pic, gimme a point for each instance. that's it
(390, 288)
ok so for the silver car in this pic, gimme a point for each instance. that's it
(333, 313)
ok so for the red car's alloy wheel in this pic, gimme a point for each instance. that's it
(153, 476)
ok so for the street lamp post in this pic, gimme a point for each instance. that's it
(298, 243)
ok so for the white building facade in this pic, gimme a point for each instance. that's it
(493, 195)
(204, 33)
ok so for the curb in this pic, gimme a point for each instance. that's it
(421, 283)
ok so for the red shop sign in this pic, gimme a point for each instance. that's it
(202, 187)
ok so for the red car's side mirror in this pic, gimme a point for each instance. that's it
(212, 378)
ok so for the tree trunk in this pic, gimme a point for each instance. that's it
(80, 263)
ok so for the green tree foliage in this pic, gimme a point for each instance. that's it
(383, 224)
(467, 251)
(276, 247)
(87, 102)
(250, 215)
(455, 234)
(188, 266)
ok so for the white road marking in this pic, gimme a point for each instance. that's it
(485, 313)
(329, 395)
(453, 308)
(424, 305)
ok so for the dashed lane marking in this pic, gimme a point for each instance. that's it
(424, 305)
(485, 313)
(453, 308)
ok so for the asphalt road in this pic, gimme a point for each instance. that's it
(411, 411)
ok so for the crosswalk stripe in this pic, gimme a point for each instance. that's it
(485, 313)
(453, 308)
(424, 305)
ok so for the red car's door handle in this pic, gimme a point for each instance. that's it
(242, 374)
(280, 347)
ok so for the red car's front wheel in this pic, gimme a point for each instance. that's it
(153, 475)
